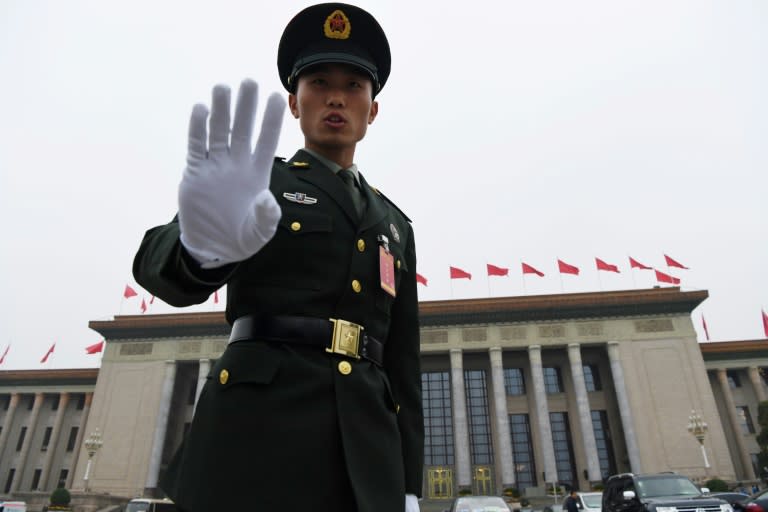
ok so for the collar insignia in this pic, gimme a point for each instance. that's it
(299, 165)
(337, 25)
(299, 197)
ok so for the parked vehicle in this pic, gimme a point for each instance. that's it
(590, 501)
(733, 498)
(150, 505)
(13, 506)
(479, 504)
(661, 492)
(755, 503)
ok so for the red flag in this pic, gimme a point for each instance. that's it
(216, 297)
(493, 270)
(95, 348)
(765, 325)
(421, 279)
(143, 305)
(704, 324)
(566, 268)
(601, 265)
(8, 347)
(666, 278)
(673, 263)
(527, 269)
(50, 351)
(129, 292)
(633, 263)
(457, 273)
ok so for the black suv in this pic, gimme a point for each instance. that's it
(662, 492)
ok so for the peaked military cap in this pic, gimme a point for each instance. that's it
(333, 33)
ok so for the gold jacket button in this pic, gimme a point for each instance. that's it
(361, 245)
(295, 226)
(398, 264)
(356, 286)
(223, 376)
(397, 408)
(345, 368)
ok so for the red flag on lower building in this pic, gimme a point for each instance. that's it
(143, 305)
(47, 354)
(673, 263)
(95, 348)
(633, 263)
(493, 270)
(216, 297)
(527, 269)
(704, 324)
(129, 292)
(2, 359)
(765, 325)
(566, 268)
(457, 273)
(421, 279)
(666, 278)
(601, 265)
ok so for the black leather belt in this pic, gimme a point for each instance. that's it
(335, 335)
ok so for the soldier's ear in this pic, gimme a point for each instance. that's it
(374, 111)
(293, 105)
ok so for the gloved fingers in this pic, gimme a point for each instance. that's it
(218, 141)
(245, 113)
(196, 148)
(269, 136)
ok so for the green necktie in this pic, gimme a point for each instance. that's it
(357, 197)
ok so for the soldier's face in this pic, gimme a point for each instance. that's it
(334, 106)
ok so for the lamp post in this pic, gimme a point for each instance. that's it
(698, 429)
(92, 445)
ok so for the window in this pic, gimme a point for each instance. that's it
(36, 479)
(733, 379)
(477, 413)
(6, 402)
(603, 442)
(30, 402)
(72, 439)
(63, 475)
(514, 384)
(55, 402)
(561, 441)
(592, 378)
(745, 420)
(22, 435)
(522, 451)
(46, 438)
(438, 418)
(553, 382)
(81, 401)
(8, 482)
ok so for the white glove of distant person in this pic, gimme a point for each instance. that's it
(411, 503)
(226, 211)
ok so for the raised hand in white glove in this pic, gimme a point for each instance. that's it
(411, 503)
(226, 211)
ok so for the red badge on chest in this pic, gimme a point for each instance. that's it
(387, 271)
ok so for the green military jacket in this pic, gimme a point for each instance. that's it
(285, 422)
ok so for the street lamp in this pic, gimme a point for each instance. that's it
(698, 429)
(92, 445)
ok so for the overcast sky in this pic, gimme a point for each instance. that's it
(515, 131)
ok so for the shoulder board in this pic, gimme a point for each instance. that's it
(388, 200)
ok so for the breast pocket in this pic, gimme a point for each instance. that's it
(299, 222)
(245, 363)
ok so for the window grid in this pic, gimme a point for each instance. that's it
(603, 442)
(592, 378)
(733, 379)
(522, 451)
(553, 382)
(438, 418)
(561, 441)
(514, 383)
(477, 411)
(745, 420)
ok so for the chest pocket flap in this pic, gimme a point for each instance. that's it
(246, 363)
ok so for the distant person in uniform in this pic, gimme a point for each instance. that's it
(315, 403)
(571, 503)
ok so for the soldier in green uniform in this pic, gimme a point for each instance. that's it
(315, 403)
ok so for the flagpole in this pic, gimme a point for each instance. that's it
(488, 280)
(451, 280)
(599, 280)
(522, 277)
(561, 276)
(632, 272)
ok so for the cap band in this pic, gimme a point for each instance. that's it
(303, 63)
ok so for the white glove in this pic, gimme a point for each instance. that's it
(411, 503)
(226, 211)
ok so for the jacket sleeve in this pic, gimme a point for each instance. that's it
(164, 268)
(402, 361)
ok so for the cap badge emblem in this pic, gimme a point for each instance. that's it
(337, 25)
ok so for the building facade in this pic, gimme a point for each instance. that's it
(524, 392)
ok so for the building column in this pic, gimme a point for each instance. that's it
(8, 422)
(502, 419)
(748, 471)
(17, 477)
(161, 426)
(460, 426)
(202, 376)
(542, 414)
(53, 442)
(79, 440)
(627, 423)
(585, 414)
(757, 383)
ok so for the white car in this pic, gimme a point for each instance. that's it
(590, 501)
(150, 505)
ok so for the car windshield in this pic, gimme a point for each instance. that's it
(481, 504)
(667, 486)
(592, 500)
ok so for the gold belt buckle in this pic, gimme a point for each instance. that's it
(345, 339)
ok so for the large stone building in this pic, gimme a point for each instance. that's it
(518, 392)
